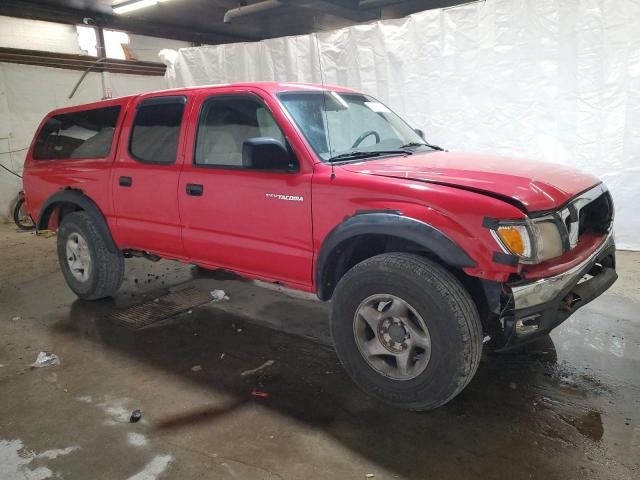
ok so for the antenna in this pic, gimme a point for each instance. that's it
(324, 101)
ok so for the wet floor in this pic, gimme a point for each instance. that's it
(250, 387)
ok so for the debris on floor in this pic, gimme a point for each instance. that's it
(258, 393)
(266, 364)
(45, 233)
(222, 356)
(218, 295)
(196, 368)
(136, 415)
(45, 359)
(16, 318)
(369, 475)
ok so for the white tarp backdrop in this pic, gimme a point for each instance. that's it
(554, 80)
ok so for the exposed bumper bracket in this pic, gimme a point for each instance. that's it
(542, 305)
(546, 289)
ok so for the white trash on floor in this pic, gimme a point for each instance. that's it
(45, 359)
(218, 295)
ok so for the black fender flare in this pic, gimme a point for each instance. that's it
(389, 223)
(79, 199)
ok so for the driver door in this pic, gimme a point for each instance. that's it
(255, 222)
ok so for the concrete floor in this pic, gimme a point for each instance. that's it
(567, 408)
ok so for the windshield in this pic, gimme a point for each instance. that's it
(355, 125)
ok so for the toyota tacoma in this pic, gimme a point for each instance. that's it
(425, 254)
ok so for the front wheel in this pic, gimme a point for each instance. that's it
(92, 269)
(406, 330)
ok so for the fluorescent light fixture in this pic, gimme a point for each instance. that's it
(131, 5)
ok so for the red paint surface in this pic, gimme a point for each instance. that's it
(236, 226)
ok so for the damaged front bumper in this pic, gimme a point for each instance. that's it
(539, 306)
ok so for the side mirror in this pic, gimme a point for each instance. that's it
(264, 153)
(419, 132)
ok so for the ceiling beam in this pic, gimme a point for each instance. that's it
(366, 4)
(53, 13)
(265, 7)
(252, 9)
(340, 11)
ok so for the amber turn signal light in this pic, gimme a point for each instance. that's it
(515, 238)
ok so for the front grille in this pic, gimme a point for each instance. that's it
(590, 212)
(596, 216)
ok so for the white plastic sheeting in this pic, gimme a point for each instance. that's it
(556, 80)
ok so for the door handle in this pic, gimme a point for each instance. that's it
(194, 189)
(125, 181)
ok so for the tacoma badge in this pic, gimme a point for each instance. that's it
(290, 198)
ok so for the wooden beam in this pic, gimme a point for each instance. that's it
(79, 62)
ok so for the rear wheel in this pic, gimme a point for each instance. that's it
(406, 330)
(20, 216)
(91, 269)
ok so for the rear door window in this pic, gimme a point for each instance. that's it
(156, 129)
(82, 134)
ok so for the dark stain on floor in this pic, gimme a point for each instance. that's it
(513, 396)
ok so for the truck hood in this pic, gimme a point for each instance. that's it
(532, 186)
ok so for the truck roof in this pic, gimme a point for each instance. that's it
(269, 87)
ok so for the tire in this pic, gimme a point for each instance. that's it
(105, 268)
(19, 217)
(440, 333)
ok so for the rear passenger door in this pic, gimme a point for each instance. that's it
(256, 222)
(146, 173)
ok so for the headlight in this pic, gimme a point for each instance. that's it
(533, 241)
(548, 240)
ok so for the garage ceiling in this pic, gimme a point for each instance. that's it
(201, 21)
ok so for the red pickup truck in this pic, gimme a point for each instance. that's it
(425, 254)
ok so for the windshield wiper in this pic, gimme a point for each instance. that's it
(358, 155)
(423, 144)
